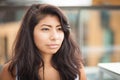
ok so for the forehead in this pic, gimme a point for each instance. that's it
(50, 19)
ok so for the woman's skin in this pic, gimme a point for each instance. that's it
(48, 37)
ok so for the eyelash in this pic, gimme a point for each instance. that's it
(46, 29)
(60, 29)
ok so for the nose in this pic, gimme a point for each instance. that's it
(54, 35)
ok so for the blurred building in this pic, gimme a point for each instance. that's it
(106, 2)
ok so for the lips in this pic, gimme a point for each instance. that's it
(53, 46)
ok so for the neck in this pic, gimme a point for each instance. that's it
(47, 60)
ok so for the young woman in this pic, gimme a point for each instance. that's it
(44, 49)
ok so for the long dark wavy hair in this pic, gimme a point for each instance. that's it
(27, 58)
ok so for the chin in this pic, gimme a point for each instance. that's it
(53, 52)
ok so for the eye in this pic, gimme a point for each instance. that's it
(60, 29)
(45, 29)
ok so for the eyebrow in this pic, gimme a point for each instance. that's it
(49, 25)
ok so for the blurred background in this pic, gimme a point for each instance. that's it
(95, 25)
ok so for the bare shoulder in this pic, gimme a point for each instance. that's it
(4, 74)
(82, 73)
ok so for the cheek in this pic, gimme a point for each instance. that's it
(39, 38)
(40, 41)
(62, 36)
(36, 40)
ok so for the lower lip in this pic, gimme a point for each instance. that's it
(53, 46)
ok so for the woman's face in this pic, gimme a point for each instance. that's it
(48, 35)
